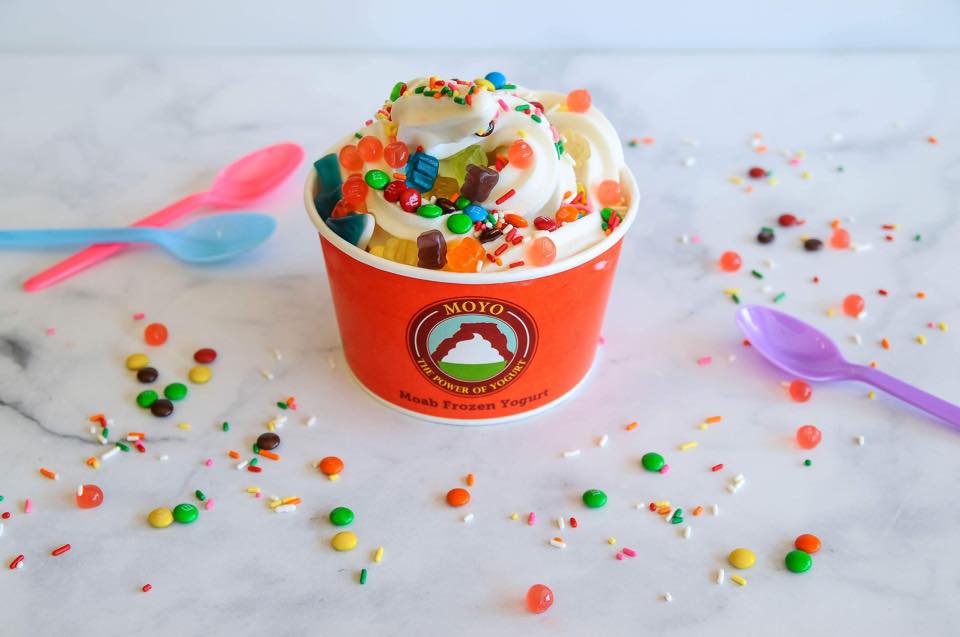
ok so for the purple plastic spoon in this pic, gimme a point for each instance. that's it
(806, 352)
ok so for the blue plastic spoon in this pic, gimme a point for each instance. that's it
(804, 351)
(207, 240)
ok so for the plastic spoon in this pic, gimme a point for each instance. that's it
(804, 351)
(237, 185)
(203, 241)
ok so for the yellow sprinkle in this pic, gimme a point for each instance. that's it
(521, 133)
(804, 237)
(800, 154)
(333, 477)
(704, 426)
(806, 174)
(689, 445)
(378, 556)
(943, 326)
(773, 181)
(736, 180)
(662, 503)
(831, 312)
(271, 425)
(739, 580)
(253, 489)
(871, 395)
(922, 339)
(275, 503)
(184, 425)
(611, 540)
(514, 516)
(729, 291)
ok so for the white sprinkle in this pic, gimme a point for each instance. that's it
(106, 455)
(769, 263)
(93, 430)
(1, 529)
(739, 479)
(80, 491)
(266, 374)
(731, 358)
(720, 575)
(862, 247)
(862, 315)
(836, 138)
(667, 597)
(558, 543)
(163, 458)
(766, 289)
(684, 239)
(856, 338)
(133, 438)
(732, 487)
(277, 355)
(560, 523)
(860, 440)
(311, 421)
(279, 421)
(603, 440)
(687, 532)
(285, 508)
(573, 453)
(640, 505)
(332, 363)
(102, 440)
(468, 518)
(715, 509)
(242, 465)
(689, 161)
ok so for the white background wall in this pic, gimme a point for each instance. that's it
(316, 25)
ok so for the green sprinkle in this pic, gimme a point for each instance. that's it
(632, 143)
(105, 433)
(536, 118)
(429, 93)
(508, 87)
(522, 108)
(840, 169)
(363, 576)
(736, 299)
(677, 517)
(358, 135)
(916, 237)
(807, 462)
(561, 149)
(758, 275)
(779, 297)
(200, 495)
(1, 498)
(419, 89)
(226, 426)
(123, 447)
(253, 461)
(766, 229)
(283, 405)
(459, 100)
(255, 447)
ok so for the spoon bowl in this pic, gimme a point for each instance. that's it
(218, 238)
(255, 175)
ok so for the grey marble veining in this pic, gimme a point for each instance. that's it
(106, 140)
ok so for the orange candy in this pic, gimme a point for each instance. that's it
(515, 220)
(458, 497)
(396, 154)
(608, 192)
(579, 100)
(541, 251)
(808, 543)
(567, 214)
(331, 465)
(155, 334)
(730, 261)
(520, 154)
(370, 148)
(350, 158)
(840, 239)
(853, 305)
(465, 255)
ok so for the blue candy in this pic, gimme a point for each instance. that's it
(475, 212)
(355, 227)
(496, 78)
(328, 184)
(422, 171)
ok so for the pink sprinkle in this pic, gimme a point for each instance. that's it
(209, 504)
(27, 506)
(704, 360)
(51, 331)
(931, 325)
(139, 316)
(794, 162)
(665, 468)
(619, 555)
(629, 552)
(532, 518)
(602, 340)
(695, 239)
(257, 494)
(555, 134)
(503, 105)
(209, 462)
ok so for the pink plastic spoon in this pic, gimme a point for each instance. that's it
(804, 351)
(237, 185)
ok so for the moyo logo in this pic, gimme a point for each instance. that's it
(472, 346)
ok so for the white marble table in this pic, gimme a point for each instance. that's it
(91, 140)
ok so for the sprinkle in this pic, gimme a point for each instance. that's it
(739, 580)
(667, 597)
(184, 425)
(922, 339)
(611, 540)
(713, 419)
(46, 473)
(505, 196)
(756, 274)
(943, 326)
(689, 445)
(885, 343)
(285, 508)
(378, 556)
(470, 480)
(720, 574)
(856, 338)
(716, 467)
(573, 522)
(687, 532)
(631, 426)
(60, 551)
(242, 465)
(363, 576)
(704, 360)
(17, 562)
(516, 264)
(268, 454)
(557, 542)
(147, 588)
(572, 453)
(779, 297)
(532, 518)
(931, 139)
(268, 375)
(715, 509)
(139, 316)
(603, 440)
(560, 523)
(665, 468)
(468, 518)
(106, 455)
(871, 394)
(629, 552)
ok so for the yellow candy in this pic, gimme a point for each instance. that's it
(742, 558)
(199, 374)
(160, 518)
(344, 541)
(137, 361)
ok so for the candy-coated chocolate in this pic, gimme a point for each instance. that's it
(344, 541)
(741, 558)
(137, 361)
(160, 518)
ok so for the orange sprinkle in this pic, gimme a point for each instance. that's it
(713, 419)
(663, 510)
(921, 295)
(470, 480)
(648, 140)
(835, 224)
(400, 176)
(46, 473)
(96, 417)
(761, 148)
(268, 454)
(293, 500)
(873, 364)
(698, 510)
(234, 455)
(141, 436)
(632, 426)
(885, 344)
(932, 139)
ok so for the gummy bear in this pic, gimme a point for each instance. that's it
(396, 154)
(328, 184)
(445, 187)
(566, 214)
(422, 171)
(431, 250)
(478, 182)
(397, 250)
(465, 255)
(455, 166)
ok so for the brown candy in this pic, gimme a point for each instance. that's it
(161, 408)
(431, 250)
(489, 234)
(446, 205)
(478, 182)
(147, 374)
(268, 441)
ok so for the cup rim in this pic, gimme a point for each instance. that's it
(470, 278)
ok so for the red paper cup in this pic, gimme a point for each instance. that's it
(466, 348)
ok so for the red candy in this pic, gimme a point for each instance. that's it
(520, 154)
(410, 200)
(787, 220)
(350, 158)
(396, 154)
(579, 100)
(808, 436)
(608, 192)
(840, 239)
(757, 173)
(90, 497)
(541, 251)
(155, 334)
(800, 391)
(545, 223)
(205, 355)
(853, 305)
(730, 261)
(370, 148)
(539, 598)
(393, 191)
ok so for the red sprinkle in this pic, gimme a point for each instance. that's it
(16, 562)
(816, 279)
(629, 552)
(146, 588)
(492, 258)
(516, 264)
(716, 467)
(140, 447)
(500, 250)
(573, 522)
(889, 237)
(882, 292)
(253, 468)
(757, 173)
(5, 515)
(653, 506)
(516, 240)
(889, 226)
(60, 551)
(505, 196)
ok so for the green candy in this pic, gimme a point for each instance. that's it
(652, 461)
(455, 166)
(185, 513)
(175, 391)
(341, 516)
(395, 93)
(377, 179)
(798, 561)
(594, 498)
(146, 398)
(430, 211)
(459, 223)
(462, 202)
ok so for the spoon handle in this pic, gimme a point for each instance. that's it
(908, 393)
(97, 253)
(73, 236)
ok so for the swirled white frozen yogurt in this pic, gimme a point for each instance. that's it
(475, 176)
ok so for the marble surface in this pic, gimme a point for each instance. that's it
(105, 140)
